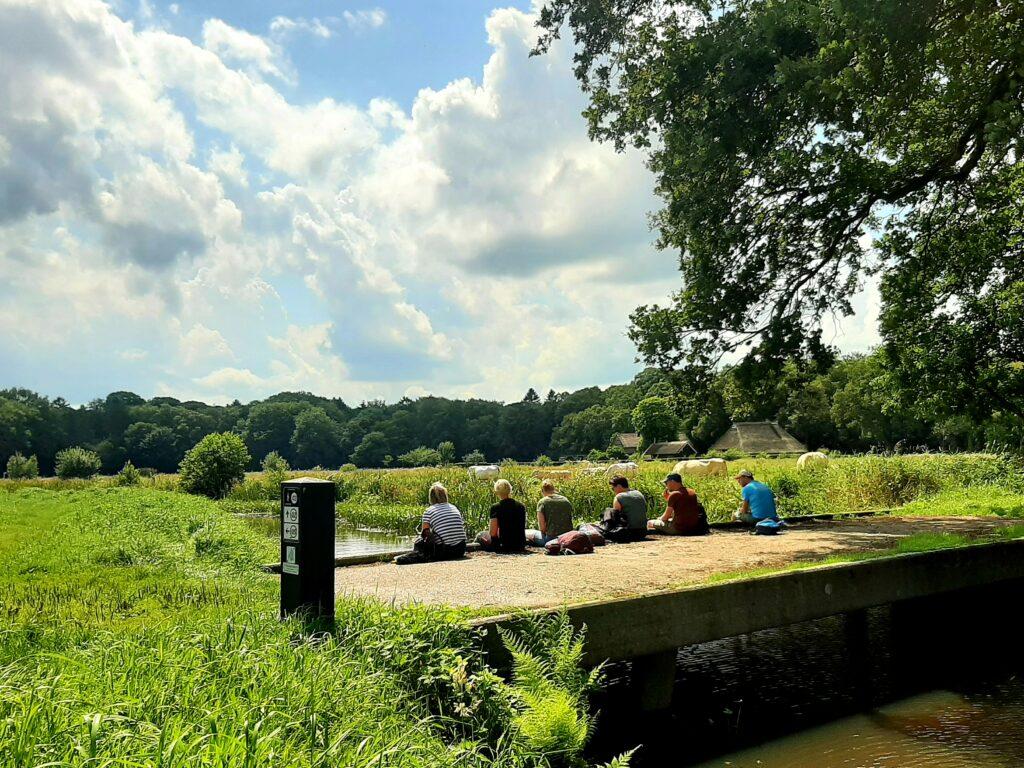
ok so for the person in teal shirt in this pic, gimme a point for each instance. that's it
(758, 500)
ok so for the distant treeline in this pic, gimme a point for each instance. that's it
(845, 406)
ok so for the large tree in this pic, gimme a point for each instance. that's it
(786, 135)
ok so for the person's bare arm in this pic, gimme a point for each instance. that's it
(616, 505)
(542, 522)
(745, 507)
(495, 533)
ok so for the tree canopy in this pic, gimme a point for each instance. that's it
(785, 137)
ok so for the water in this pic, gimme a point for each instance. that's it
(933, 683)
(950, 729)
(347, 539)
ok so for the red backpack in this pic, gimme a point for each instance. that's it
(571, 543)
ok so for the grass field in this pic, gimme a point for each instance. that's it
(136, 629)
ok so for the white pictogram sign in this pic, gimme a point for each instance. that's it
(291, 531)
(289, 554)
(292, 497)
(291, 514)
(290, 568)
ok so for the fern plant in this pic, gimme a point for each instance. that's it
(550, 689)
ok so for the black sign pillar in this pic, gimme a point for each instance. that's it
(307, 548)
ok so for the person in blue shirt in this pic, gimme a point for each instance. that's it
(758, 500)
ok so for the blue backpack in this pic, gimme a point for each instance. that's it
(769, 527)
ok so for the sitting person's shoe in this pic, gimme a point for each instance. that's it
(409, 558)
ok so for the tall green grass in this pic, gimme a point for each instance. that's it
(393, 500)
(135, 629)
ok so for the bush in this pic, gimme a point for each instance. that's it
(475, 457)
(129, 475)
(77, 462)
(275, 463)
(214, 465)
(543, 461)
(420, 457)
(21, 468)
(446, 450)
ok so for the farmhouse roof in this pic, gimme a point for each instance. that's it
(671, 449)
(758, 437)
(628, 440)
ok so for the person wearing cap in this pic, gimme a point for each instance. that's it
(684, 514)
(758, 500)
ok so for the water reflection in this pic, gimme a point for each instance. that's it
(347, 540)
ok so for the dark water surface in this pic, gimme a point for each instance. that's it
(347, 539)
(931, 683)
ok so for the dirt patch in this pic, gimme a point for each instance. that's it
(535, 580)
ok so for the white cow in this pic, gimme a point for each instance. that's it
(702, 467)
(484, 471)
(812, 459)
(623, 468)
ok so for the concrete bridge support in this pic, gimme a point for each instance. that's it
(654, 677)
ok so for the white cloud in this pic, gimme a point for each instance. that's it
(477, 243)
(283, 27)
(240, 47)
(201, 344)
(368, 18)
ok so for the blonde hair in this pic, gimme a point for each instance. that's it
(438, 494)
(547, 486)
(503, 488)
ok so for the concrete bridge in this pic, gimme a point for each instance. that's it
(650, 629)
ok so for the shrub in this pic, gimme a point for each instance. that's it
(129, 475)
(446, 451)
(77, 462)
(420, 457)
(275, 463)
(348, 468)
(214, 465)
(21, 468)
(543, 461)
(475, 457)
(733, 454)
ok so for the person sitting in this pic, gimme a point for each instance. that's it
(554, 516)
(442, 531)
(684, 514)
(758, 500)
(626, 519)
(507, 532)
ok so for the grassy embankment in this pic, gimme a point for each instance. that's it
(135, 629)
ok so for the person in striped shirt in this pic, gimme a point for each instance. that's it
(442, 531)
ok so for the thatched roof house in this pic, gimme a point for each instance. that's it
(758, 437)
(628, 440)
(675, 449)
(667, 450)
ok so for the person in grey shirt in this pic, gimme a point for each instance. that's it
(554, 516)
(626, 519)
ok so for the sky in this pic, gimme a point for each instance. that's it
(219, 200)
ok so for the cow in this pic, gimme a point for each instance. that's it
(702, 467)
(484, 471)
(812, 459)
(623, 468)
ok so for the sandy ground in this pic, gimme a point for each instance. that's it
(535, 580)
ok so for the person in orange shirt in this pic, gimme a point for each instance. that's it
(684, 514)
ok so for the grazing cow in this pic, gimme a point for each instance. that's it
(702, 467)
(812, 459)
(484, 472)
(625, 469)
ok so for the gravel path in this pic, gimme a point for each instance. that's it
(535, 580)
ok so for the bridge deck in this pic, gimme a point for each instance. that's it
(533, 581)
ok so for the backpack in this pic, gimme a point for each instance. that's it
(571, 543)
(593, 533)
(768, 527)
